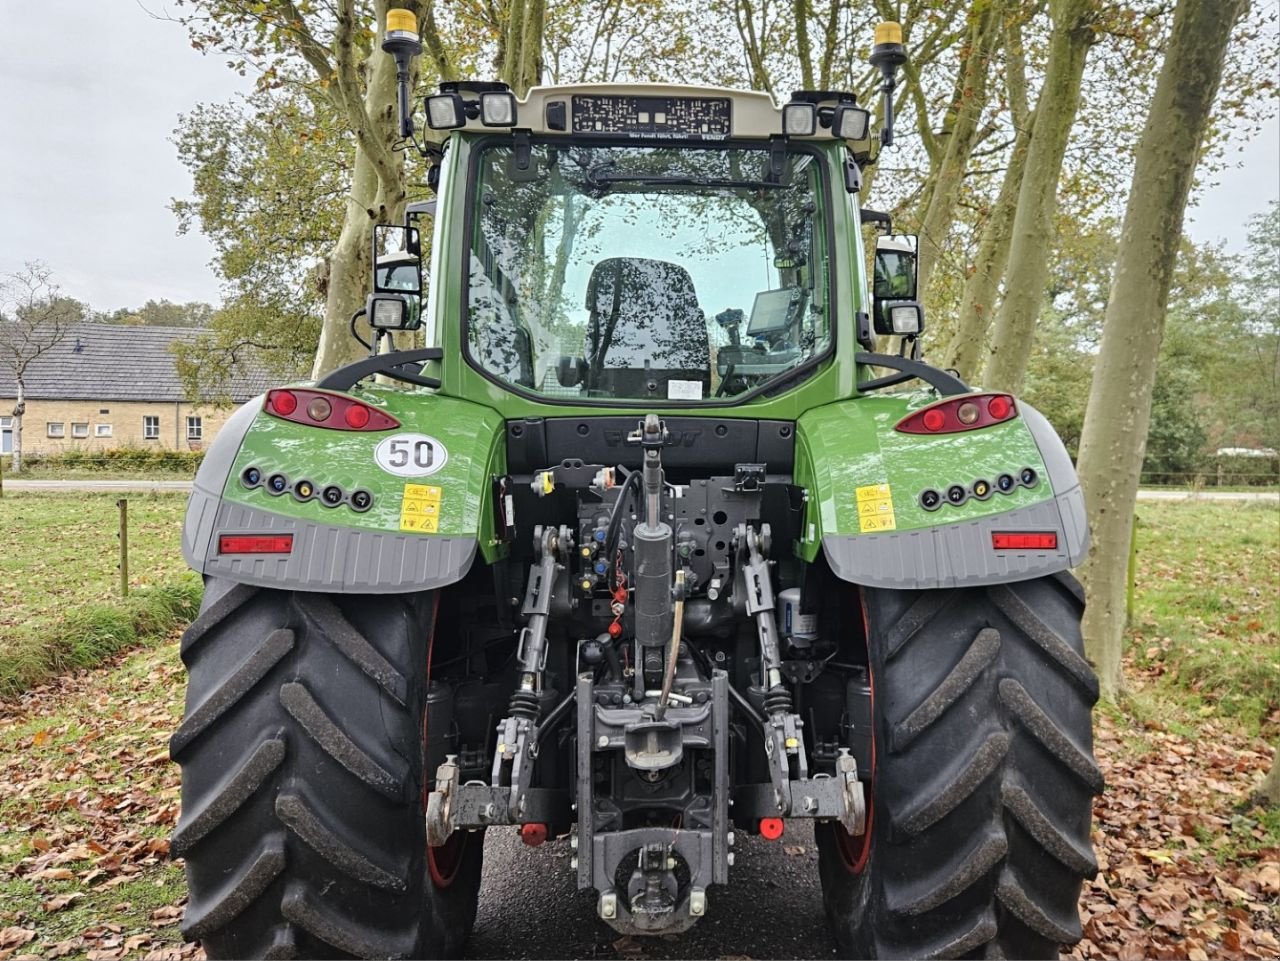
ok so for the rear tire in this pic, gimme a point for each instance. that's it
(983, 782)
(303, 790)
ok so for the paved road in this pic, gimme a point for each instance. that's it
(180, 485)
(530, 907)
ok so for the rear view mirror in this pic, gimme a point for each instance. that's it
(396, 301)
(896, 307)
(397, 260)
(895, 269)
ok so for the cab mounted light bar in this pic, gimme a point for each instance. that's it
(495, 105)
(834, 110)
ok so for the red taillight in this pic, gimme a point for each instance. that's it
(319, 409)
(771, 828)
(959, 413)
(255, 544)
(1024, 541)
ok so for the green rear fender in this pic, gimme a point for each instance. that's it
(865, 480)
(429, 486)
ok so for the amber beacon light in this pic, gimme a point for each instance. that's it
(402, 41)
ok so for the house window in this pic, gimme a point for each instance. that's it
(6, 435)
(195, 428)
(55, 430)
(101, 430)
(150, 428)
(79, 430)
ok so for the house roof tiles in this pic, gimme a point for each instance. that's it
(118, 362)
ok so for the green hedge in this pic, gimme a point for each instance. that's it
(139, 460)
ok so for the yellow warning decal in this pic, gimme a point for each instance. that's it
(875, 509)
(420, 509)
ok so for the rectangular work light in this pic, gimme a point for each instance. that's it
(498, 109)
(851, 123)
(445, 111)
(799, 119)
(387, 312)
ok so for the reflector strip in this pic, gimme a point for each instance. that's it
(1028, 541)
(255, 544)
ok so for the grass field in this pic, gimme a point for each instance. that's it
(1206, 629)
(88, 797)
(60, 603)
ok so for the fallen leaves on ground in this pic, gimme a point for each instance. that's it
(88, 798)
(87, 801)
(1183, 873)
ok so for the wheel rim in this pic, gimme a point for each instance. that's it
(445, 861)
(855, 849)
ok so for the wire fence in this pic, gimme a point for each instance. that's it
(1267, 478)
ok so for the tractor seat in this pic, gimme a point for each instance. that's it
(645, 311)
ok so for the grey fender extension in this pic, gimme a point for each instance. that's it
(960, 555)
(325, 557)
(341, 560)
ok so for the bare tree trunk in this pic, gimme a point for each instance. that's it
(965, 352)
(519, 59)
(800, 10)
(971, 101)
(377, 196)
(978, 300)
(18, 409)
(1115, 426)
(348, 274)
(1038, 195)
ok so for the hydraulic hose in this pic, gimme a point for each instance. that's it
(615, 520)
(673, 652)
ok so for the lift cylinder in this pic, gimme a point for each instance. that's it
(653, 602)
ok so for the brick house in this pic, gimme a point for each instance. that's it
(108, 385)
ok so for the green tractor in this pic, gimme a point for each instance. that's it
(647, 550)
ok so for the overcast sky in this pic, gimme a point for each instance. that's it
(90, 92)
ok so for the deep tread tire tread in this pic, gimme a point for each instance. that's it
(303, 767)
(984, 776)
(254, 668)
(250, 776)
(297, 700)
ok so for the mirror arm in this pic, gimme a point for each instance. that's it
(942, 381)
(883, 220)
(344, 378)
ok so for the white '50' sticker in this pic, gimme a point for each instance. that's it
(411, 455)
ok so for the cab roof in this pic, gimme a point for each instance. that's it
(652, 111)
